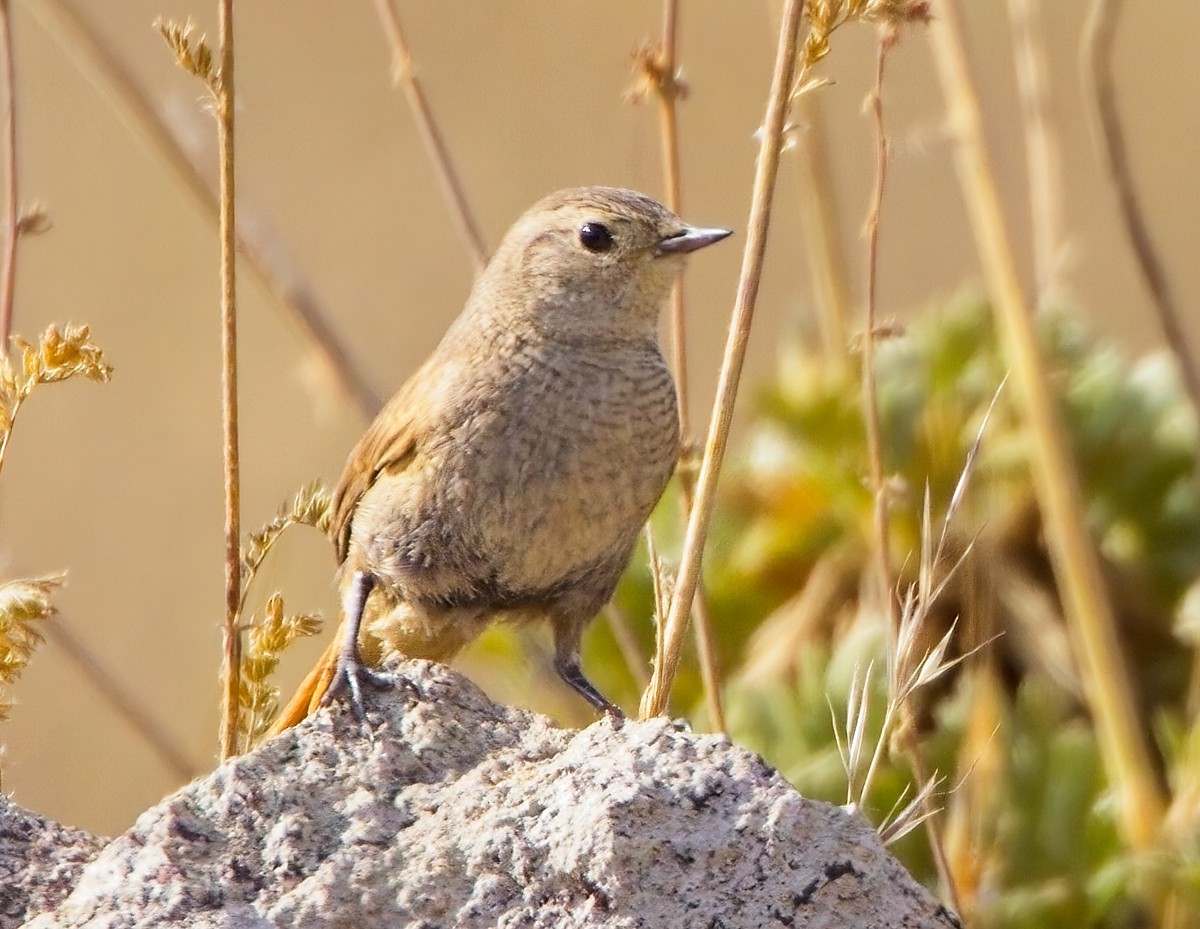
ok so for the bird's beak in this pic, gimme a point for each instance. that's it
(689, 238)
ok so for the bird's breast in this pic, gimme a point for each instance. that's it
(563, 469)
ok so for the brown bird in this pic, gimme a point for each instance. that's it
(509, 478)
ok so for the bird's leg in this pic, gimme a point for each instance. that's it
(567, 637)
(351, 672)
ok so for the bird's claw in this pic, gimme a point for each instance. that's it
(350, 676)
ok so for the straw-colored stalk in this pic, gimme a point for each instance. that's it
(1122, 743)
(655, 699)
(232, 651)
(8, 267)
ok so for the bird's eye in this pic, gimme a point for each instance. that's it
(595, 237)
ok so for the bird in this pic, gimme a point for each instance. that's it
(509, 478)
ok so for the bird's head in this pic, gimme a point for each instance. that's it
(591, 261)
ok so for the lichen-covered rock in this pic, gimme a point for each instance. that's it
(453, 811)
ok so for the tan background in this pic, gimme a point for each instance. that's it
(121, 484)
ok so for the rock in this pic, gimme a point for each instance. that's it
(40, 862)
(454, 811)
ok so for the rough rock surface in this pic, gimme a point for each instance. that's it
(454, 811)
(40, 862)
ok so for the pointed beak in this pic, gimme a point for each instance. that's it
(689, 238)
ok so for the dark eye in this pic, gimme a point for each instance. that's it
(595, 237)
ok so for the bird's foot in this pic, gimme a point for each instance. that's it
(349, 676)
(572, 674)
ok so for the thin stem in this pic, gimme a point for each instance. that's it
(1099, 34)
(231, 672)
(405, 74)
(1110, 696)
(110, 687)
(710, 665)
(258, 245)
(9, 271)
(826, 262)
(885, 578)
(1042, 160)
(668, 90)
(654, 700)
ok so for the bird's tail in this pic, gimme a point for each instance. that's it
(308, 695)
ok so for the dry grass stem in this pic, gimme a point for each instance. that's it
(1122, 742)
(8, 269)
(901, 683)
(822, 239)
(223, 87)
(885, 581)
(901, 820)
(654, 701)
(1043, 161)
(657, 72)
(1099, 34)
(172, 755)
(404, 73)
(260, 247)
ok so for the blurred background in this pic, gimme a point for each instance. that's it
(121, 484)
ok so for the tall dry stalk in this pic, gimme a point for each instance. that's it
(231, 672)
(655, 699)
(885, 580)
(1122, 742)
(8, 271)
(885, 576)
(1043, 161)
(822, 241)
(404, 73)
(657, 67)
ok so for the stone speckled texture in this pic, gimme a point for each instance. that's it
(454, 811)
(40, 862)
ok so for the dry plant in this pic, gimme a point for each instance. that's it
(269, 637)
(904, 676)
(272, 633)
(24, 605)
(194, 56)
(657, 71)
(1055, 477)
(791, 79)
(1043, 161)
(667, 657)
(8, 268)
(58, 356)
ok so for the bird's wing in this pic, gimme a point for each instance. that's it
(388, 445)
